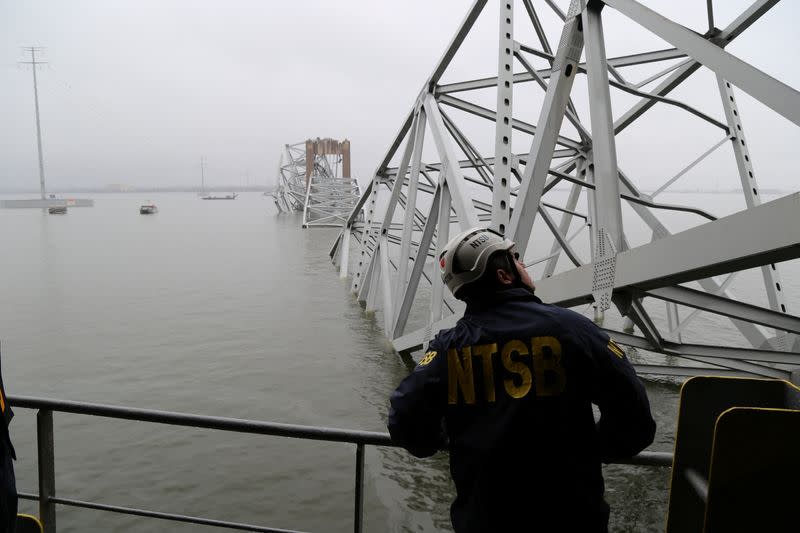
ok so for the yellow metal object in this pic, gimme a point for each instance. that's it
(28, 524)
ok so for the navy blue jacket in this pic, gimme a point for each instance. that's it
(8, 484)
(509, 391)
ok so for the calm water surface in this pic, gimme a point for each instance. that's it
(224, 309)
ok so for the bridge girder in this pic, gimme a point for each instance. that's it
(662, 288)
(314, 179)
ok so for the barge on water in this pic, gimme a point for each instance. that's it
(231, 196)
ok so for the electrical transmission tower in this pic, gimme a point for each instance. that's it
(45, 200)
(34, 63)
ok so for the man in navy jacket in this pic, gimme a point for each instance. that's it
(509, 392)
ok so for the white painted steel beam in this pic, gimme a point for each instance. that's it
(516, 124)
(344, 254)
(415, 340)
(326, 199)
(571, 113)
(545, 73)
(442, 236)
(474, 156)
(548, 127)
(467, 164)
(737, 242)
(688, 371)
(609, 212)
(416, 271)
(439, 190)
(727, 307)
(386, 282)
(388, 214)
(566, 221)
(733, 358)
(769, 91)
(750, 188)
(451, 171)
(463, 30)
(501, 199)
(410, 211)
(731, 32)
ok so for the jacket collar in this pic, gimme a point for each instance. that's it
(488, 300)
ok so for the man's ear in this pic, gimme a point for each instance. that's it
(504, 277)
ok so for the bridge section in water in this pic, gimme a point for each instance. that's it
(552, 182)
(314, 178)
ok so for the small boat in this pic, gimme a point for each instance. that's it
(57, 210)
(148, 209)
(231, 196)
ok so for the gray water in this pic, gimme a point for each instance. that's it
(224, 309)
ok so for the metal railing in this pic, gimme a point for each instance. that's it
(46, 457)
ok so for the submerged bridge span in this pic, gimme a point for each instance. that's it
(696, 289)
(314, 178)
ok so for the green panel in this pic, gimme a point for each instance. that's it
(755, 471)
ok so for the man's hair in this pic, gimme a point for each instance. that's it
(488, 282)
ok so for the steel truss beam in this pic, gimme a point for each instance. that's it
(326, 198)
(412, 205)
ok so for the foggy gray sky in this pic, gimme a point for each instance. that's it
(135, 92)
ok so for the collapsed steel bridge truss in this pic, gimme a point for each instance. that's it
(314, 178)
(563, 197)
(290, 192)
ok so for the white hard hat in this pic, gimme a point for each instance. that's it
(464, 258)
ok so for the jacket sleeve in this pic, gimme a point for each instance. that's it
(626, 425)
(417, 407)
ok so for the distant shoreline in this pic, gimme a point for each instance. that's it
(134, 190)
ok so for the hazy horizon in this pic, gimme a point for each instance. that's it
(135, 93)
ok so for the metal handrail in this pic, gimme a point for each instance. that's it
(46, 457)
(206, 422)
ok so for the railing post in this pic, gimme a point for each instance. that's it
(359, 506)
(47, 470)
